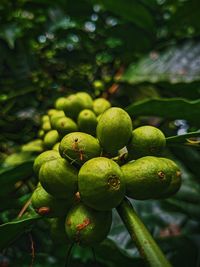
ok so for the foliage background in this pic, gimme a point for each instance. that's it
(146, 55)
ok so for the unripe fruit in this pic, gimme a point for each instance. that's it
(99, 85)
(57, 230)
(100, 105)
(146, 177)
(101, 184)
(73, 106)
(47, 205)
(59, 114)
(45, 118)
(86, 99)
(51, 138)
(52, 112)
(175, 183)
(60, 102)
(87, 121)
(59, 178)
(114, 129)
(41, 133)
(65, 125)
(146, 141)
(78, 147)
(46, 126)
(44, 157)
(86, 226)
(56, 146)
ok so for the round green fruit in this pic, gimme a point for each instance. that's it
(47, 205)
(86, 99)
(60, 103)
(59, 178)
(146, 141)
(51, 138)
(146, 178)
(52, 112)
(87, 121)
(56, 146)
(41, 133)
(101, 184)
(65, 125)
(175, 183)
(78, 147)
(57, 230)
(86, 226)
(45, 118)
(99, 85)
(100, 105)
(73, 106)
(59, 114)
(46, 126)
(44, 157)
(114, 130)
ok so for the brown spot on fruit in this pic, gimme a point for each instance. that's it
(114, 182)
(81, 226)
(161, 174)
(178, 173)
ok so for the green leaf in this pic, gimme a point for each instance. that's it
(10, 175)
(131, 10)
(184, 139)
(12, 230)
(175, 65)
(170, 108)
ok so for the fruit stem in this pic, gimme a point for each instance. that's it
(148, 248)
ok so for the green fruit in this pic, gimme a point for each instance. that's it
(47, 205)
(33, 146)
(44, 157)
(59, 114)
(60, 102)
(16, 158)
(46, 126)
(59, 178)
(86, 99)
(146, 141)
(146, 178)
(45, 118)
(41, 133)
(79, 147)
(51, 138)
(56, 146)
(57, 230)
(99, 85)
(114, 129)
(52, 112)
(65, 125)
(100, 105)
(87, 121)
(86, 226)
(101, 184)
(73, 106)
(175, 183)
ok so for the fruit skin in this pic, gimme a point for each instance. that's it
(56, 147)
(51, 138)
(44, 157)
(87, 102)
(78, 147)
(51, 112)
(100, 105)
(175, 183)
(60, 102)
(59, 178)
(57, 230)
(86, 226)
(42, 201)
(101, 184)
(53, 119)
(65, 125)
(146, 141)
(114, 129)
(87, 121)
(147, 177)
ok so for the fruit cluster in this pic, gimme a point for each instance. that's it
(93, 159)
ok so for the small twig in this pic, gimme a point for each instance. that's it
(32, 250)
(94, 256)
(24, 208)
(67, 261)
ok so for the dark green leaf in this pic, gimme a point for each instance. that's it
(170, 108)
(186, 139)
(12, 230)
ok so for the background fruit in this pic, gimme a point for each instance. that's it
(100, 105)
(51, 138)
(87, 122)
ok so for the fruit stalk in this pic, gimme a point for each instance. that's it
(145, 243)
